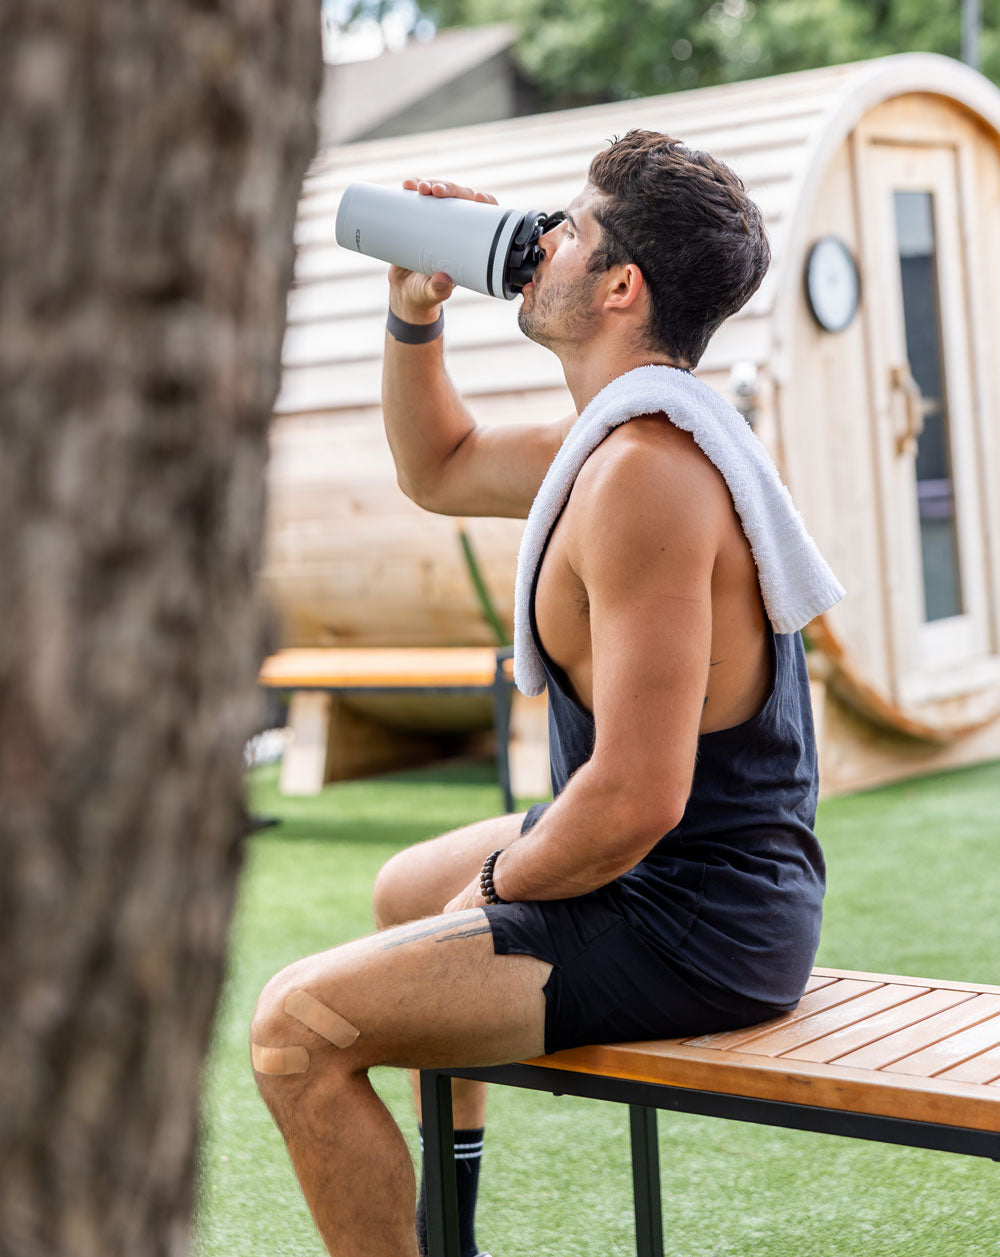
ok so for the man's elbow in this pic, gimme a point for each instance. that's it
(418, 493)
(638, 824)
(429, 496)
(409, 488)
(421, 493)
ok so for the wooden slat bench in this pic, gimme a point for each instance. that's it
(868, 1055)
(314, 672)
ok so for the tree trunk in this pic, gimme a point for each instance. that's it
(151, 157)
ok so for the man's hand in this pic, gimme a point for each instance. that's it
(470, 897)
(415, 297)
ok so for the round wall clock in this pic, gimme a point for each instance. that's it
(832, 285)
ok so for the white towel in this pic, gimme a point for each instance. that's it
(796, 583)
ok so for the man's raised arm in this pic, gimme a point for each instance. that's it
(444, 461)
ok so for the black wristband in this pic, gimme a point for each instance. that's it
(486, 887)
(414, 333)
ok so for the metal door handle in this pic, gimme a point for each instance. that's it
(906, 439)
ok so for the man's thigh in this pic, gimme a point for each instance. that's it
(420, 880)
(430, 993)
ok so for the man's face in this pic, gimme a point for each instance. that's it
(559, 306)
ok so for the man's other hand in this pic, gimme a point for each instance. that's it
(470, 897)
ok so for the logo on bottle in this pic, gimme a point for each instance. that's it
(357, 239)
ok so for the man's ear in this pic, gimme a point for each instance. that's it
(625, 284)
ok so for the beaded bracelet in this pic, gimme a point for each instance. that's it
(486, 887)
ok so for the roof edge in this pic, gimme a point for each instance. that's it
(876, 81)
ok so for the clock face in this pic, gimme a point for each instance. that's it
(832, 283)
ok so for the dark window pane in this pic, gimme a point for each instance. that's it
(935, 488)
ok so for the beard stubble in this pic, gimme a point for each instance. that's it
(559, 311)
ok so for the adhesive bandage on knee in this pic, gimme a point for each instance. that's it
(324, 1021)
(295, 1059)
(283, 1060)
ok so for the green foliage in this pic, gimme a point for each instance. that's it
(483, 596)
(578, 51)
(803, 34)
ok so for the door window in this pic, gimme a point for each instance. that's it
(934, 483)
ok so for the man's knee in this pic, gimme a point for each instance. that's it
(395, 894)
(421, 880)
(296, 1037)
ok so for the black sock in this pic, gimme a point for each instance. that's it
(468, 1157)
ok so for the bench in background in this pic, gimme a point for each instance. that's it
(316, 675)
(872, 1056)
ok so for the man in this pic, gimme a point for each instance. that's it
(674, 885)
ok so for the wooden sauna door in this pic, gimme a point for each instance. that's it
(927, 429)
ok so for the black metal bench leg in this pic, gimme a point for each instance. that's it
(646, 1182)
(502, 696)
(439, 1165)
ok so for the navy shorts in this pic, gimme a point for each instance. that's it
(609, 983)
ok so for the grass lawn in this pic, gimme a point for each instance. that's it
(914, 884)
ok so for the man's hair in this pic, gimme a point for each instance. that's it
(684, 218)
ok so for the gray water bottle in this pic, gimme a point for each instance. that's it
(484, 247)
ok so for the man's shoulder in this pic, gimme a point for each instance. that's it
(648, 461)
(643, 507)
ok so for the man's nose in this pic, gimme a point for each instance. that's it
(548, 242)
(550, 226)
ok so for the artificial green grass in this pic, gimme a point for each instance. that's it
(913, 888)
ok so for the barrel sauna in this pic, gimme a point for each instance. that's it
(893, 465)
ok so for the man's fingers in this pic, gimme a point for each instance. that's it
(440, 285)
(444, 188)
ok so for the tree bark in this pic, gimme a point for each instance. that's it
(151, 158)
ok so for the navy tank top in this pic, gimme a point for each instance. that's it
(735, 890)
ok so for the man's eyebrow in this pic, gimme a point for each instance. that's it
(570, 219)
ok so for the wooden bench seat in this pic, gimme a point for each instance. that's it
(872, 1056)
(315, 674)
(383, 667)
